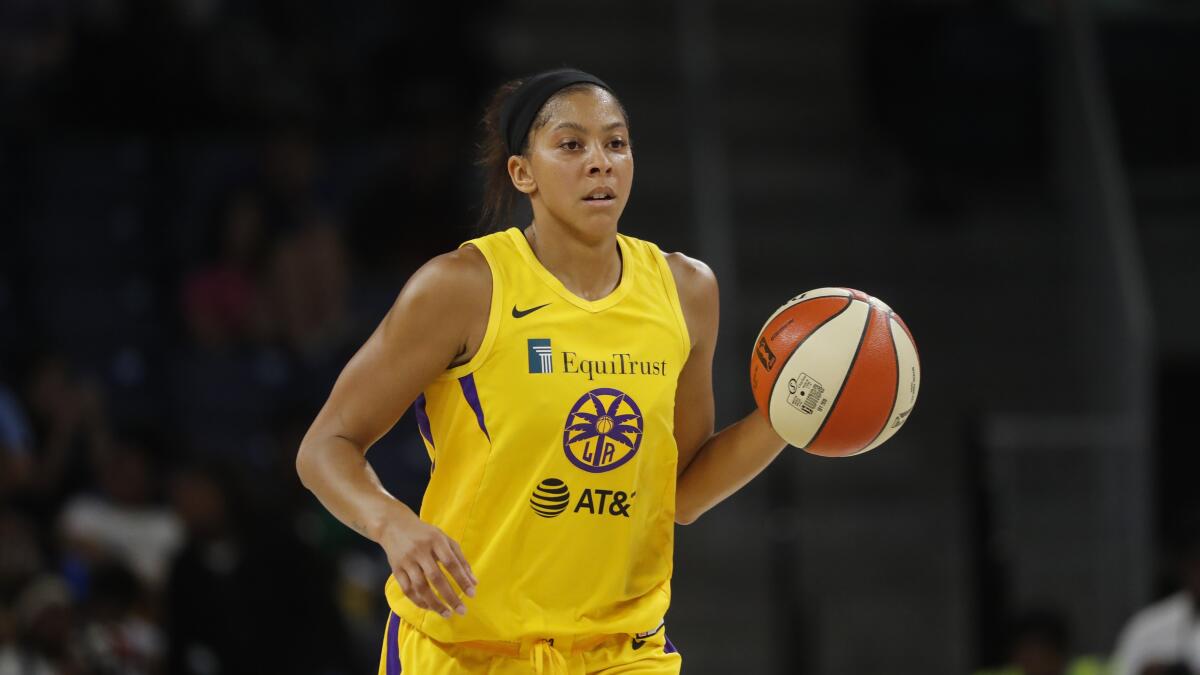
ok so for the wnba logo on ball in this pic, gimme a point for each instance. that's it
(603, 430)
(765, 355)
(550, 498)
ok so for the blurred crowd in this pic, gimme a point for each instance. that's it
(150, 513)
(194, 244)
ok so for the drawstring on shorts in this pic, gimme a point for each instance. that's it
(543, 651)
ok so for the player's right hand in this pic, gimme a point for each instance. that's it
(419, 555)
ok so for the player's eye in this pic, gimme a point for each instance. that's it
(617, 143)
(569, 145)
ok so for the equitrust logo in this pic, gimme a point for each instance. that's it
(543, 357)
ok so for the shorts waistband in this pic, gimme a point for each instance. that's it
(567, 644)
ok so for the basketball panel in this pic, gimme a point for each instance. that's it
(807, 295)
(864, 405)
(908, 383)
(812, 376)
(781, 335)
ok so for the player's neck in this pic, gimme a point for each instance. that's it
(589, 269)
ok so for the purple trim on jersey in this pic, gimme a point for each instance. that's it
(393, 645)
(423, 419)
(669, 648)
(467, 382)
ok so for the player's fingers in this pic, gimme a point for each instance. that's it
(456, 566)
(463, 558)
(442, 584)
(421, 593)
(408, 587)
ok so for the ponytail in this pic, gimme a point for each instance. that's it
(499, 195)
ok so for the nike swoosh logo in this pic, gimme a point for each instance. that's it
(637, 644)
(518, 313)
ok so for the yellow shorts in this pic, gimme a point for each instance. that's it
(407, 650)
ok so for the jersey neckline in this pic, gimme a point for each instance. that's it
(553, 282)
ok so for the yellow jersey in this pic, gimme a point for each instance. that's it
(554, 454)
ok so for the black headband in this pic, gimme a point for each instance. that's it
(517, 113)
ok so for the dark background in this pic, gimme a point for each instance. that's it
(206, 206)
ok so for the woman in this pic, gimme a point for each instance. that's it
(562, 379)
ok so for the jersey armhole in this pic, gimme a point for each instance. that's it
(668, 280)
(493, 321)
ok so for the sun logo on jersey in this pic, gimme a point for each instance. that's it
(603, 430)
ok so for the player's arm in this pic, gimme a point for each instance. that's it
(433, 323)
(711, 467)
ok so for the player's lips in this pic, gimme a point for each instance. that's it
(601, 198)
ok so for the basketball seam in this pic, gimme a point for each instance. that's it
(783, 366)
(797, 303)
(904, 327)
(849, 301)
(895, 391)
(849, 373)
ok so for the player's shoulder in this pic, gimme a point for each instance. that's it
(458, 278)
(463, 268)
(699, 297)
(694, 279)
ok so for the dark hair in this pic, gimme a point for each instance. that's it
(499, 195)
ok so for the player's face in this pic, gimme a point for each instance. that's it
(581, 162)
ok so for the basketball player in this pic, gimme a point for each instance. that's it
(561, 376)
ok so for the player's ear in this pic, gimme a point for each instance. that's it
(518, 171)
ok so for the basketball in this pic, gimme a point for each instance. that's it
(835, 372)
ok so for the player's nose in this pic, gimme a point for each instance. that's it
(599, 161)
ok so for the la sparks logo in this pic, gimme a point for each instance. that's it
(603, 430)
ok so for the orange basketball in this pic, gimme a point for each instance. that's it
(835, 371)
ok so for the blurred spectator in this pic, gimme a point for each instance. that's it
(1164, 638)
(70, 427)
(269, 312)
(21, 556)
(1039, 644)
(21, 560)
(119, 634)
(16, 443)
(311, 286)
(223, 300)
(310, 278)
(42, 632)
(245, 596)
(121, 521)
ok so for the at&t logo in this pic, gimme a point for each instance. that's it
(551, 498)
